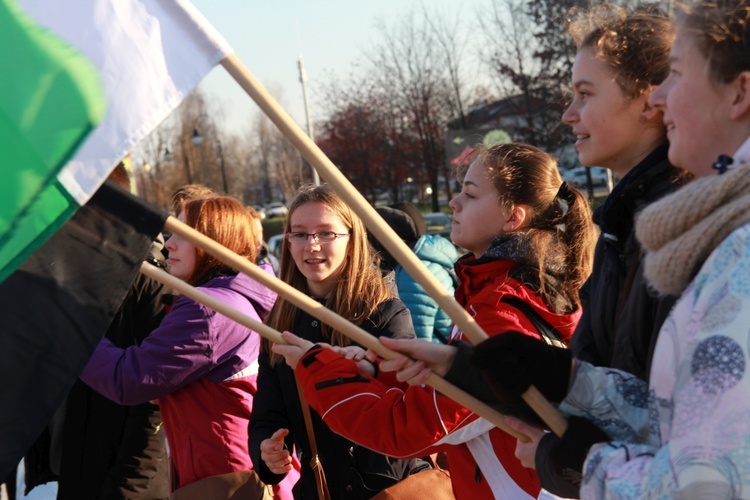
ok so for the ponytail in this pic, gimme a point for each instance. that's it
(560, 233)
(577, 233)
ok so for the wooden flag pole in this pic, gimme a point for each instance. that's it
(357, 334)
(375, 223)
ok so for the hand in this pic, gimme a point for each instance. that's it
(430, 358)
(569, 453)
(353, 352)
(525, 452)
(293, 350)
(512, 362)
(272, 452)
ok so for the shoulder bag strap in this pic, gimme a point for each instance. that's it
(315, 464)
(547, 331)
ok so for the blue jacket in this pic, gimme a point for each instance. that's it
(439, 255)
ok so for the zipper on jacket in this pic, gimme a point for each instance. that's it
(341, 381)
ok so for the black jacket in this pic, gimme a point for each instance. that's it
(621, 316)
(351, 470)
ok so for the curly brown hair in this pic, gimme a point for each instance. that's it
(634, 43)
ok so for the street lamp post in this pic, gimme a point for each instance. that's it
(303, 81)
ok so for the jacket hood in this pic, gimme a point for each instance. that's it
(516, 246)
(436, 249)
(260, 297)
(515, 249)
(485, 281)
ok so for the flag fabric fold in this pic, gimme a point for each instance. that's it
(58, 305)
(146, 54)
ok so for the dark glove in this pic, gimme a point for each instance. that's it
(512, 362)
(569, 452)
(548, 476)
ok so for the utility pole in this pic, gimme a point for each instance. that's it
(303, 81)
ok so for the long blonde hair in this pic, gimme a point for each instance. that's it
(360, 288)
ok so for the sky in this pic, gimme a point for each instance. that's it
(269, 35)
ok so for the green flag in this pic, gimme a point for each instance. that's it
(81, 82)
(47, 107)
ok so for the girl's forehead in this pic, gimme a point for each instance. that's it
(479, 171)
(478, 166)
(314, 212)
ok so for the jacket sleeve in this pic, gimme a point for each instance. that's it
(618, 403)
(392, 319)
(269, 415)
(180, 351)
(411, 421)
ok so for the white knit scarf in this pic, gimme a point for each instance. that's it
(681, 230)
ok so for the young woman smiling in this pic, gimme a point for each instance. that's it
(326, 255)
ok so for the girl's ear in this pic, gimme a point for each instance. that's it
(740, 108)
(516, 218)
(649, 113)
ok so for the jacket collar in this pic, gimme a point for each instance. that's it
(615, 217)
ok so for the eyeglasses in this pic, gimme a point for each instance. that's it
(320, 237)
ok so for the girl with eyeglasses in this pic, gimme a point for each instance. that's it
(326, 255)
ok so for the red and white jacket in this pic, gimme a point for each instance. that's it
(403, 421)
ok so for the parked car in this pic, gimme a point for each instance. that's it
(577, 176)
(438, 223)
(276, 210)
(274, 244)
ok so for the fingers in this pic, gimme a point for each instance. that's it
(272, 452)
(409, 372)
(292, 339)
(284, 349)
(352, 352)
(356, 354)
(404, 346)
(438, 356)
(419, 379)
(280, 466)
(279, 436)
(366, 368)
(522, 427)
(393, 365)
(526, 453)
(414, 374)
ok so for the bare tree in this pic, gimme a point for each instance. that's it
(410, 70)
(289, 167)
(274, 167)
(452, 41)
(529, 65)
